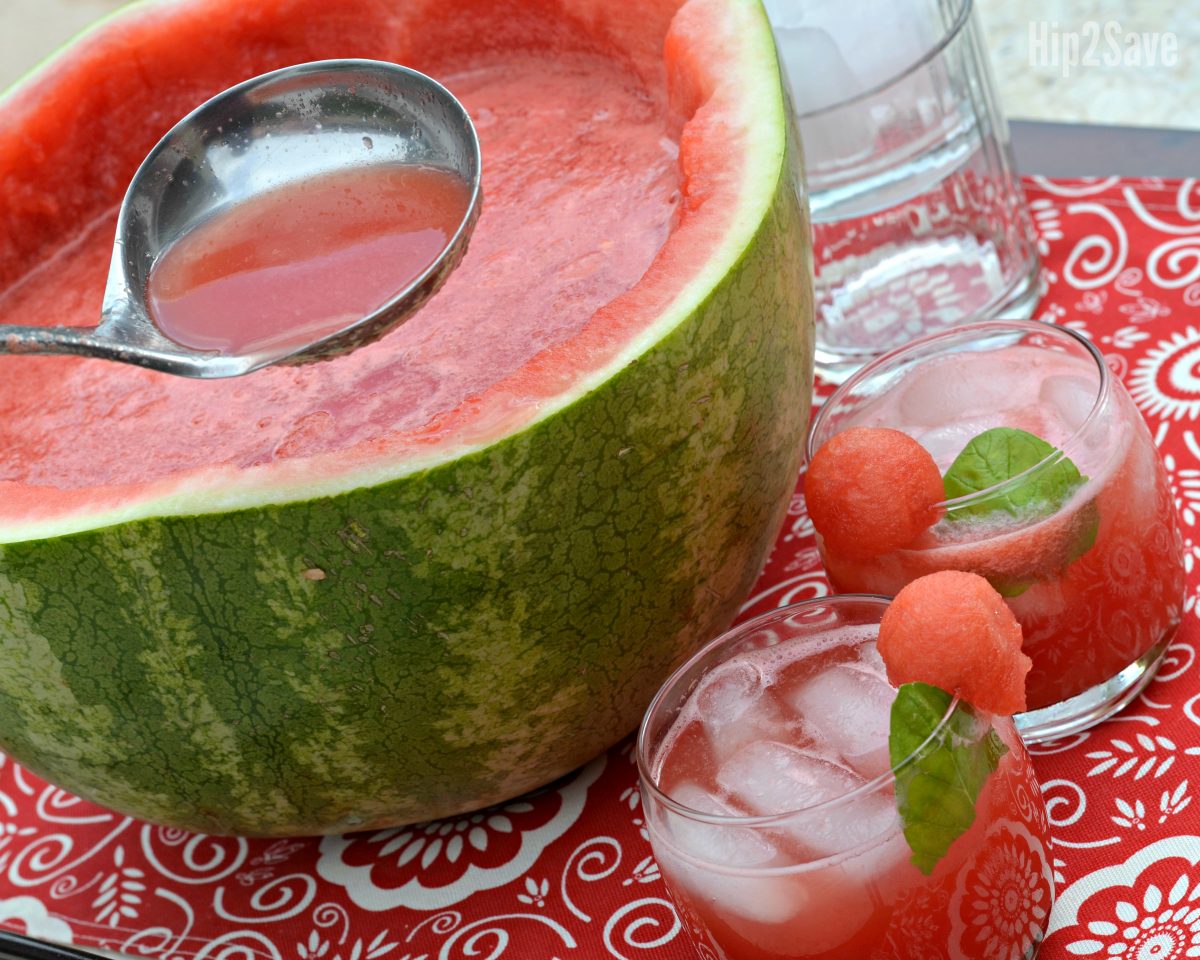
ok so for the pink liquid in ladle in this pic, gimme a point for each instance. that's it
(305, 260)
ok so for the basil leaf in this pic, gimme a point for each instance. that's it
(1087, 536)
(1000, 454)
(936, 790)
(1010, 588)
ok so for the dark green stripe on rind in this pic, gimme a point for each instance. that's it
(481, 628)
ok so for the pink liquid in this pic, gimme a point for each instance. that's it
(305, 260)
(554, 246)
(785, 728)
(1084, 620)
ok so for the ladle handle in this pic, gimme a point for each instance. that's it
(89, 342)
(140, 346)
(80, 341)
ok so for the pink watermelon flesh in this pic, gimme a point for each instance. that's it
(953, 630)
(582, 190)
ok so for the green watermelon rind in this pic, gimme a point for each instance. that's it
(445, 639)
(222, 489)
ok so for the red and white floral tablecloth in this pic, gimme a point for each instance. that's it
(567, 872)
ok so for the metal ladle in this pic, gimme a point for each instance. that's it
(288, 125)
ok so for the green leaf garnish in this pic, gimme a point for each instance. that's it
(1010, 588)
(1000, 454)
(1087, 537)
(936, 789)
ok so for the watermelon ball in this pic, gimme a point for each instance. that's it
(954, 631)
(872, 490)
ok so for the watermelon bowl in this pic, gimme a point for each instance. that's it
(453, 565)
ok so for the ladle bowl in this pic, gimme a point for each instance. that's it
(289, 125)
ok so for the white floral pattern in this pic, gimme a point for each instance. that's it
(1157, 927)
(1173, 802)
(1145, 908)
(29, 915)
(419, 849)
(1001, 904)
(1154, 758)
(1166, 383)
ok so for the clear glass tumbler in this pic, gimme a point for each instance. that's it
(1095, 577)
(919, 220)
(774, 810)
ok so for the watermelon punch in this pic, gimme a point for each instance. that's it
(812, 789)
(348, 240)
(1009, 450)
(455, 564)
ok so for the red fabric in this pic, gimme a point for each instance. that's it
(567, 872)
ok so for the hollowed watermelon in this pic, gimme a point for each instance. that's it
(455, 564)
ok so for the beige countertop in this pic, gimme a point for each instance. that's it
(1022, 36)
(31, 29)
(1144, 68)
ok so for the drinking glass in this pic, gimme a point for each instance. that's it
(1096, 583)
(772, 805)
(919, 220)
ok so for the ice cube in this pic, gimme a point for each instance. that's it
(819, 76)
(734, 708)
(947, 392)
(829, 910)
(817, 68)
(699, 857)
(884, 868)
(869, 659)
(1069, 398)
(769, 778)
(848, 710)
(946, 442)
(717, 844)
